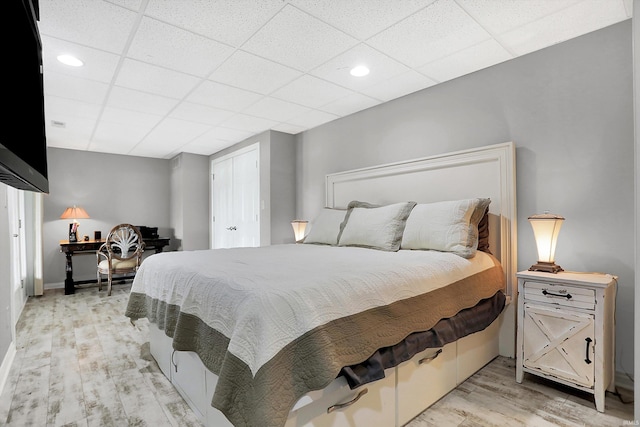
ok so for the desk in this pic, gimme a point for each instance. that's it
(90, 247)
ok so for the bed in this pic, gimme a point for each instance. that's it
(369, 329)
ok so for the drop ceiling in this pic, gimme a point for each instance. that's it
(162, 77)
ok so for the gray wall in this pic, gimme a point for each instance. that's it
(112, 189)
(189, 206)
(568, 108)
(283, 187)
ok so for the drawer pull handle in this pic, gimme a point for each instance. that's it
(430, 358)
(337, 406)
(172, 362)
(588, 340)
(567, 296)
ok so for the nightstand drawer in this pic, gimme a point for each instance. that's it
(563, 295)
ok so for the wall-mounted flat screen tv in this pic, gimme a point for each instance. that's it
(23, 152)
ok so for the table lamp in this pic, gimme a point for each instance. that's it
(299, 227)
(74, 213)
(546, 228)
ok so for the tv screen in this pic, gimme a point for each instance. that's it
(23, 153)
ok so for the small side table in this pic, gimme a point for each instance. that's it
(566, 330)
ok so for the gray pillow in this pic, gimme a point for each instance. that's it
(376, 227)
(326, 228)
(449, 226)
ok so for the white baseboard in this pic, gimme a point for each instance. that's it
(7, 362)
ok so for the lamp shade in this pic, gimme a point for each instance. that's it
(546, 228)
(299, 227)
(74, 213)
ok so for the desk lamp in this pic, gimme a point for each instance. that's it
(74, 213)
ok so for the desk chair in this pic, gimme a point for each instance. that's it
(120, 254)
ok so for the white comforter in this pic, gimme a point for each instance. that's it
(264, 298)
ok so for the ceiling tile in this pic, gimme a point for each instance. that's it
(248, 123)
(498, 16)
(398, 86)
(248, 71)
(98, 24)
(130, 99)
(205, 146)
(121, 116)
(110, 147)
(119, 136)
(65, 86)
(168, 136)
(380, 65)
(311, 92)
(165, 45)
(581, 18)
(156, 80)
(222, 96)
(275, 109)
(201, 113)
(98, 65)
(150, 150)
(205, 67)
(430, 34)
(227, 134)
(129, 4)
(298, 40)
(289, 128)
(312, 119)
(349, 104)
(75, 135)
(466, 61)
(235, 20)
(361, 18)
(58, 107)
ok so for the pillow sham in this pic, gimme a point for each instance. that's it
(326, 228)
(483, 232)
(450, 226)
(375, 227)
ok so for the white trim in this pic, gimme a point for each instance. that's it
(7, 362)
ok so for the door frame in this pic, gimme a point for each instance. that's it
(17, 252)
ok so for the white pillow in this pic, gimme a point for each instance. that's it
(450, 226)
(376, 227)
(325, 229)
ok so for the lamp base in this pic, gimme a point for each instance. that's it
(547, 267)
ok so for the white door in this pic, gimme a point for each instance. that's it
(15, 204)
(236, 199)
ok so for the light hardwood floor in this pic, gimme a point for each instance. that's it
(81, 363)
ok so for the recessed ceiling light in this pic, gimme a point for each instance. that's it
(70, 60)
(359, 71)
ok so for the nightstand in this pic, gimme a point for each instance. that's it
(566, 330)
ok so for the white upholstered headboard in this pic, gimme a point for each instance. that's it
(480, 172)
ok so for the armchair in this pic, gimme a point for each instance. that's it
(120, 254)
